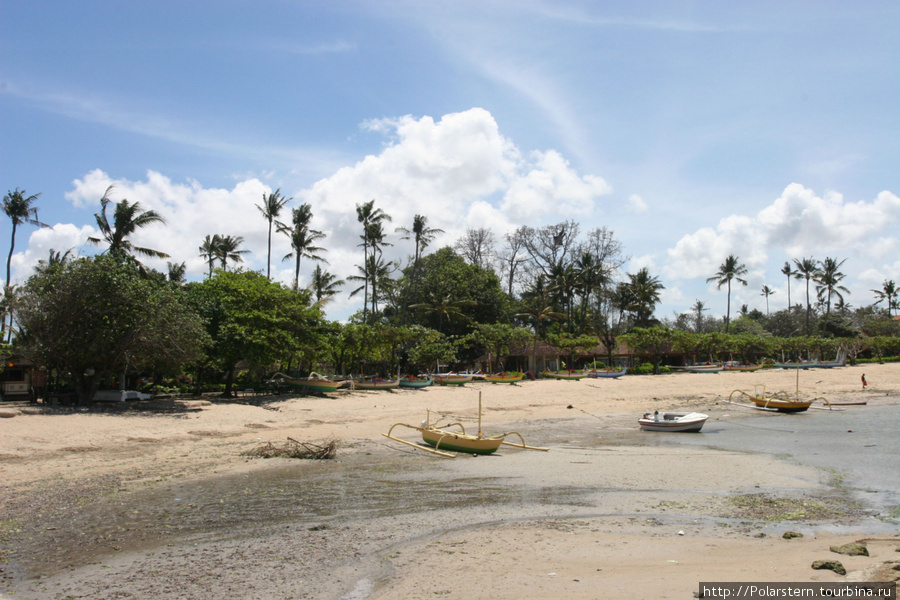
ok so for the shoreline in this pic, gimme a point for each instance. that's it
(559, 504)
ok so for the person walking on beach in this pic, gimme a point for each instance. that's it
(864, 381)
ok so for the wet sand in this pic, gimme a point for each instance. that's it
(162, 504)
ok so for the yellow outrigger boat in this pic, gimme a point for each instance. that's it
(444, 440)
(505, 377)
(315, 382)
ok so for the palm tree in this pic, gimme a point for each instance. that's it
(228, 250)
(807, 268)
(324, 285)
(888, 292)
(538, 310)
(421, 234)
(302, 239)
(698, 308)
(210, 250)
(127, 219)
(730, 270)
(639, 296)
(767, 291)
(369, 216)
(177, 272)
(829, 282)
(788, 272)
(444, 306)
(19, 208)
(54, 260)
(271, 208)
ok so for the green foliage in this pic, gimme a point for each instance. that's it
(95, 317)
(248, 318)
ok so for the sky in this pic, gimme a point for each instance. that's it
(691, 130)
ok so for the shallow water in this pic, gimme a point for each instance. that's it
(860, 444)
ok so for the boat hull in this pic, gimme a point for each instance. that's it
(317, 385)
(743, 368)
(566, 375)
(453, 379)
(383, 384)
(460, 442)
(612, 374)
(674, 422)
(704, 369)
(787, 406)
(505, 378)
(416, 383)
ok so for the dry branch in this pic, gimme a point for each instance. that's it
(294, 449)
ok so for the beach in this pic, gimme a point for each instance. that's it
(160, 500)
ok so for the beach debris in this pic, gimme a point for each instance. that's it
(680, 532)
(323, 450)
(789, 535)
(830, 565)
(851, 549)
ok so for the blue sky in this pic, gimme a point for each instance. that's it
(692, 130)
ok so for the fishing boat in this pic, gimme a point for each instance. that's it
(703, 368)
(803, 364)
(777, 401)
(569, 375)
(315, 382)
(375, 383)
(607, 372)
(743, 368)
(505, 377)
(453, 379)
(672, 421)
(446, 439)
(412, 381)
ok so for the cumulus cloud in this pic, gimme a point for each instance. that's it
(799, 223)
(459, 171)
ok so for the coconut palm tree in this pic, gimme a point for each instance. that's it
(210, 250)
(228, 249)
(888, 292)
(54, 260)
(639, 296)
(421, 234)
(698, 308)
(271, 208)
(324, 285)
(21, 210)
(788, 272)
(828, 281)
(177, 272)
(302, 238)
(127, 219)
(444, 306)
(729, 270)
(767, 291)
(369, 216)
(807, 268)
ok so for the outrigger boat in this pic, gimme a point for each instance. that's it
(444, 441)
(743, 368)
(763, 400)
(672, 421)
(375, 383)
(505, 377)
(315, 382)
(607, 372)
(703, 368)
(569, 375)
(453, 379)
(411, 381)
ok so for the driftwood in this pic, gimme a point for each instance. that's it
(294, 449)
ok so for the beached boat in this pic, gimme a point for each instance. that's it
(315, 382)
(777, 401)
(673, 421)
(375, 383)
(703, 368)
(505, 377)
(743, 368)
(607, 372)
(570, 375)
(411, 381)
(453, 379)
(804, 364)
(445, 439)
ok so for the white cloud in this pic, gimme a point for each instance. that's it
(637, 204)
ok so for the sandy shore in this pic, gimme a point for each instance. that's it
(602, 514)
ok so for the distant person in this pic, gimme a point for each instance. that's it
(864, 381)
